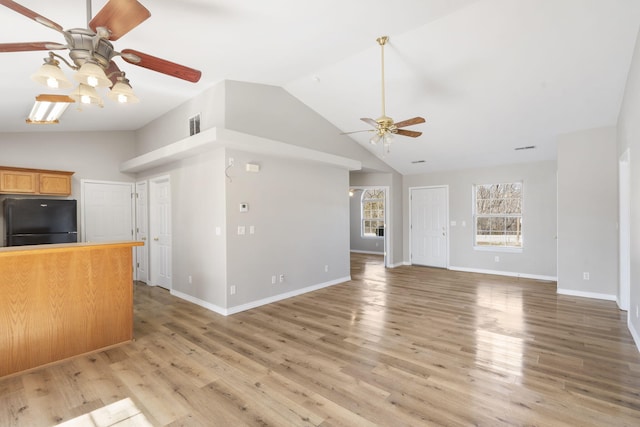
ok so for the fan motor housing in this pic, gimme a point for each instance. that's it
(81, 42)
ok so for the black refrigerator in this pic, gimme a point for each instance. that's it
(40, 221)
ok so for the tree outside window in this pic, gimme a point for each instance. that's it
(498, 215)
(372, 212)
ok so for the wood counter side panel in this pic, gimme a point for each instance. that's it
(58, 304)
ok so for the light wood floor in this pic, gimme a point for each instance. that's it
(405, 346)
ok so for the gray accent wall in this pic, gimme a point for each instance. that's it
(538, 257)
(628, 137)
(298, 209)
(588, 213)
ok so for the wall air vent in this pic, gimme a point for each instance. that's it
(528, 147)
(194, 124)
(415, 162)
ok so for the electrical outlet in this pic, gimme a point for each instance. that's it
(281, 278)
(232, 289)
(273, 280)
(190, 279)
(496, 258)
(585, 275)
(326, 268)
(230, 161)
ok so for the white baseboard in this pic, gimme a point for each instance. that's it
(505, 273)
(253, 304)
(367, 252)
(583, 294)
(634, 334)
(201, 303)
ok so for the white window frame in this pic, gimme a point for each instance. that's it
(362, 217)
(475, 215)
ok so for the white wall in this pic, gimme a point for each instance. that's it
(588, 213)
(628, 137)
(538, 257)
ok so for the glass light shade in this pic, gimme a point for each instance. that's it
(91, 74)
(52, 76)
(375, 138)
(86, 94)
(123, 93)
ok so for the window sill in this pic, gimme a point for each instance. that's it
(497, 249)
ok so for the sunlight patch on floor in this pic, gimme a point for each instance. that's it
(121, 413)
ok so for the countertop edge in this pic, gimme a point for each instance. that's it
(66, 246)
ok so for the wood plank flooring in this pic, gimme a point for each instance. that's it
(393, 347)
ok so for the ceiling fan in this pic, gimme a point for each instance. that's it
(91, 51)
(384, 127)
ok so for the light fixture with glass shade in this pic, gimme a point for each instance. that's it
(91, 74)
(50, 74)
(122, 91)
(87, 95)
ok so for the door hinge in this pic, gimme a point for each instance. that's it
(137, 264)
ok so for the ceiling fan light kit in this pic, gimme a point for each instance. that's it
(384, 126)
(92, 53)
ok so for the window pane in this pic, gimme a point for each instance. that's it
(498, 210)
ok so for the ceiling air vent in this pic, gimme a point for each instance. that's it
(194, 124)
(415, 162)
(528, 147)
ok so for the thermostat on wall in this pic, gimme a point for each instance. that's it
(244, 207)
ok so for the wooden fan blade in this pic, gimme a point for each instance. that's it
(411, 133)
(410, 122)
(370, 121)
(31, 14)
(113, 72)
(120, 17)
(162, 66)
(29, 46)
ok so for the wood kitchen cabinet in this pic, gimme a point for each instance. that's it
(34, 181)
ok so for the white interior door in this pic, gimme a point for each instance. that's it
(160, 232)
(429, 231)
(106, 211)
(142, 232)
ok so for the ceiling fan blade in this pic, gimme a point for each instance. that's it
(411, 133)
(29, 46)
(113, 72)
(120, 17)
(162, 65)
(31, 14)
(357, 131)
(370, 121)
(410, 122)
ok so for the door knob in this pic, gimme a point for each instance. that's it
(156, 239)
(143, 238)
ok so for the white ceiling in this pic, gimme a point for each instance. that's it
(488, 75)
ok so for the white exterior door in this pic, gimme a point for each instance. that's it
(142, 232)
(106, 211)
(429, 231)
(160, 232)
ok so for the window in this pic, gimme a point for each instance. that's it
(372, 212)
(498, 215)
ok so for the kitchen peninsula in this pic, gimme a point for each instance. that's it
(62, 300)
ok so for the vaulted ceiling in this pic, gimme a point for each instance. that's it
(488, 75)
